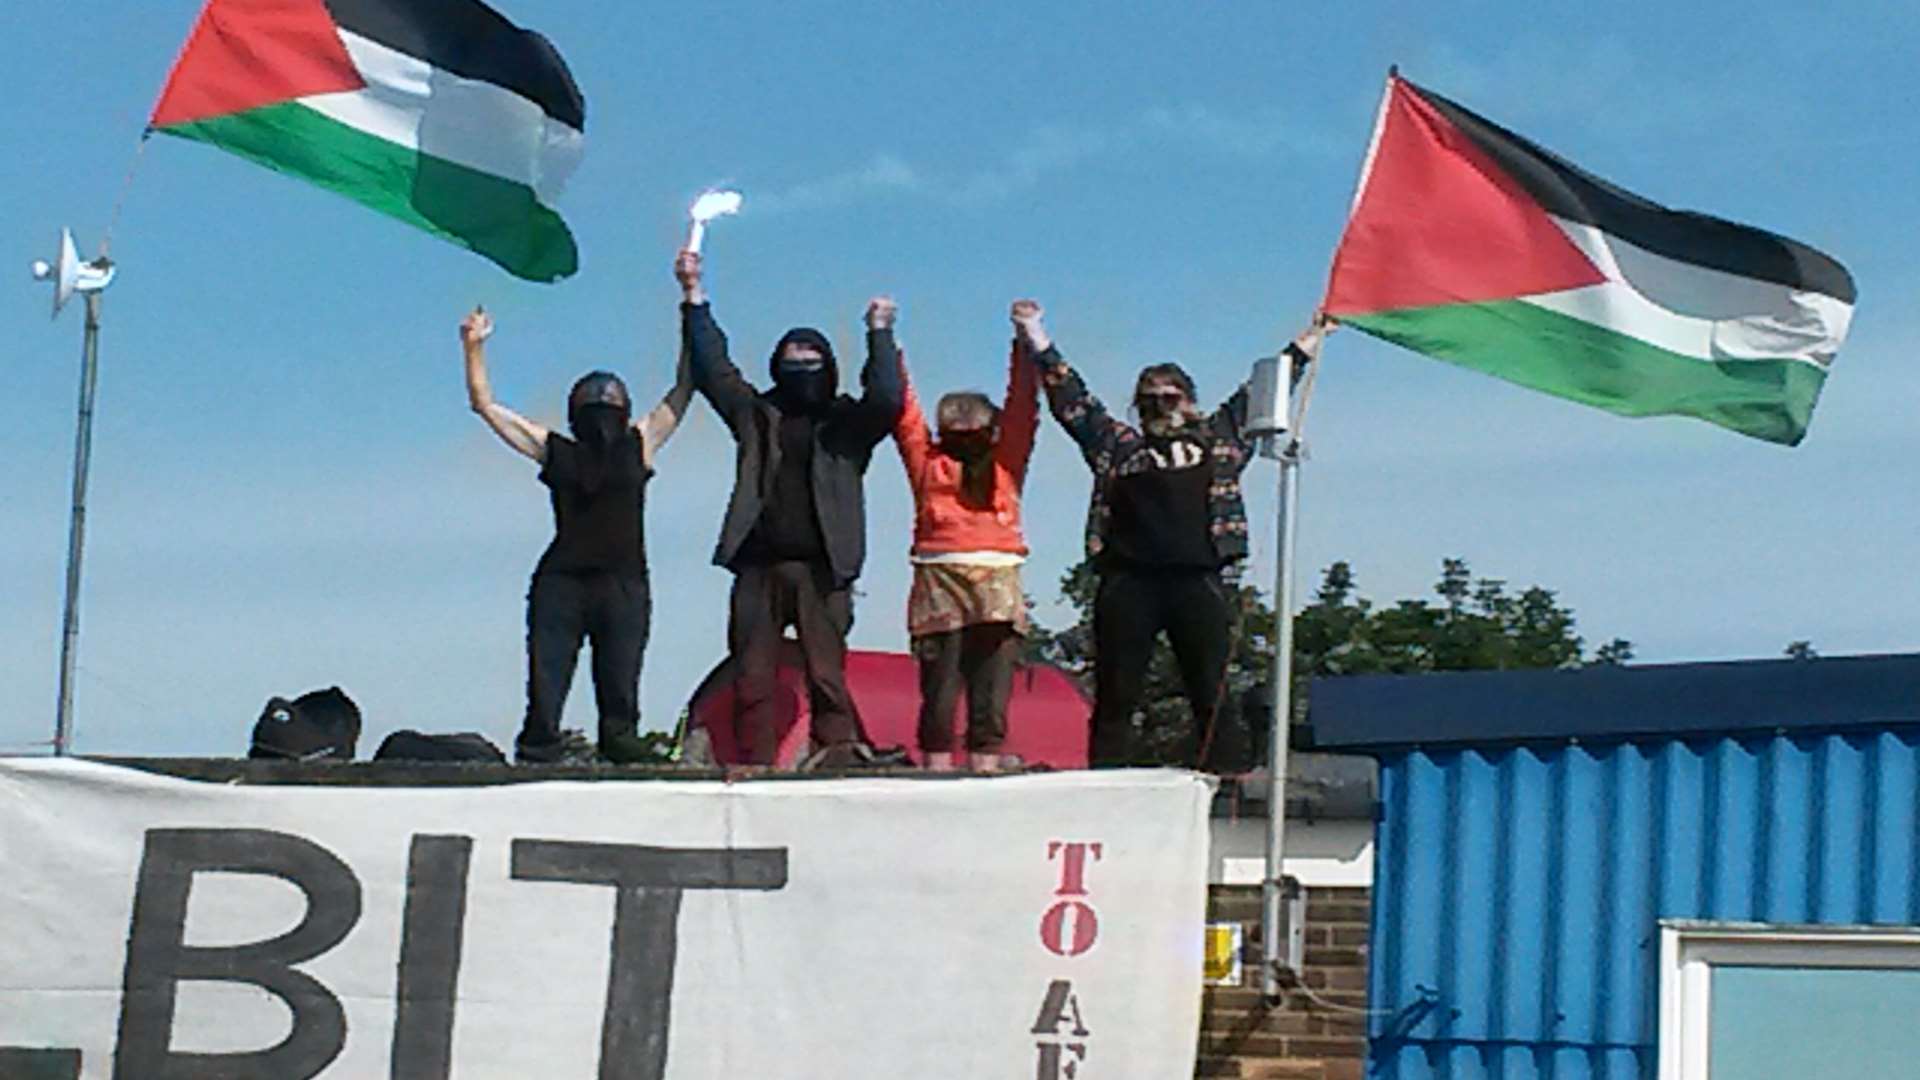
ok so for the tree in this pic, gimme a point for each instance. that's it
(1613, 654)
(1476, 624)
(1800, 650)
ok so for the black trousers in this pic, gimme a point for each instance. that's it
(768, 598)
(1130, 609)
(612, 611)
(980, 658)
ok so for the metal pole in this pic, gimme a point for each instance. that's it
(1273, 888)
(77, 526)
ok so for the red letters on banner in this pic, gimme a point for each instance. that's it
(1068, 928)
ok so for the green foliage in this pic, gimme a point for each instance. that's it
(1613, 654)
(1477, 625)
(1474, 624)
(1800, 650)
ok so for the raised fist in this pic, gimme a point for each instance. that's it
(686, 270)
(1027, 323)
(1308, 341)
(476, 328)
(881, 311)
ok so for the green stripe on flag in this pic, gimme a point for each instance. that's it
(497, 218)
(1561, 355)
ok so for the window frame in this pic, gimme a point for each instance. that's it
(1690, 950)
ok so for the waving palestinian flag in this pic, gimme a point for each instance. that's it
(438, 112)
(1473, 245)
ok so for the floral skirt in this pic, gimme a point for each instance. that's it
(948, 596)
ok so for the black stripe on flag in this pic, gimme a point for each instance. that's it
(471, 40)
(1570, 192)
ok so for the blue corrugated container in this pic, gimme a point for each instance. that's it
(1519, 884)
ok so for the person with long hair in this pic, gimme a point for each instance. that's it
(591, 583)
(967, 611)
(1166, 532)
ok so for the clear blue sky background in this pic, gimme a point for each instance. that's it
(289, 491)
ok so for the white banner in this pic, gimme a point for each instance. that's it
(1045, 926)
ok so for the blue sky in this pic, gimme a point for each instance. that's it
(289, 491)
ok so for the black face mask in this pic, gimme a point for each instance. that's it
(803, 386)
(597, 427)
(967, 446)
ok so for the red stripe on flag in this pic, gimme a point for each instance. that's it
(1438, 222)
(244, 54)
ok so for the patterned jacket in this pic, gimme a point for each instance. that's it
(1106, 442)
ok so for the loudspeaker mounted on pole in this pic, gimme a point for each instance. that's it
(89, 279)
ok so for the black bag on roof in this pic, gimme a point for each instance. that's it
(465, 746)
(316, 726)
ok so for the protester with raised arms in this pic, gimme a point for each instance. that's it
(591, 582)
(795, 531)
(967, 610)
(1166, 530)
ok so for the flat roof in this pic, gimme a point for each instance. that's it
(1370, 712)
(1319, 786)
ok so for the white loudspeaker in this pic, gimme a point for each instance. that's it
(1267, 396)
(65, 273)
(69, 275)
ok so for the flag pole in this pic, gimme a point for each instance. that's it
(1273, 888)
(88, 279)
(1290, 445)
(77, 526)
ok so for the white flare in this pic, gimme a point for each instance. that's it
(708, 206)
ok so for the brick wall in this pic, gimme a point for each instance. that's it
(1241, 1038)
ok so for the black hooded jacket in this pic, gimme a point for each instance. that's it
(844, 435)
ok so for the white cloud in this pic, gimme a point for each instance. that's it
(1601, 82)
(884, 172)
(1055, 149)
(1264, 135)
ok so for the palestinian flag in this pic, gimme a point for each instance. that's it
(438, 112)
(1474, 245)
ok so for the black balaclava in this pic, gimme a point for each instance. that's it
(804, 388)
(599, 414)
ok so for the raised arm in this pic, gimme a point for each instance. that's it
(659, 425)
(878, 408)
(705, 346)
(910, 432)
(1230, 420)
(515, 430)
(1020, 413)
(1085, 419)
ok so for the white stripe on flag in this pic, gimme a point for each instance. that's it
(465, 121)
(1697, 311)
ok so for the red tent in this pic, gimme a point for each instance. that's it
(1047, 716)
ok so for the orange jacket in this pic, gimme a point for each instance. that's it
(941, 524)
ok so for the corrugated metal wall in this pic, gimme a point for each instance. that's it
(1518, 890)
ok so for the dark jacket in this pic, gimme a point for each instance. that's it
(1106, 442)
(844, 439)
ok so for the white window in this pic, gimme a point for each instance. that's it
(1742, 1001)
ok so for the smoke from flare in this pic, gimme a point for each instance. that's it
(713, 204)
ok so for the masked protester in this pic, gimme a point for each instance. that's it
(967, 610)
(591, 583)
(1166, 532)
(795, 532)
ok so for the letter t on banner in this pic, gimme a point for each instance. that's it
(646, 918)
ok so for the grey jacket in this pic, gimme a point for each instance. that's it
(843, 441)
